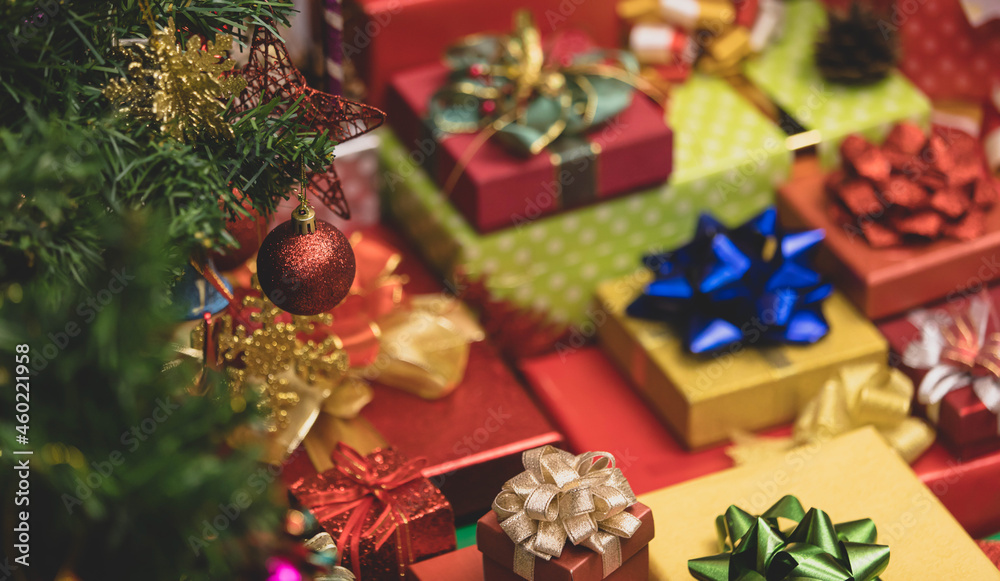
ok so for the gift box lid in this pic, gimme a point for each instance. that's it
(499, 189)
(851, 477)
(755, 385)
(576, 563)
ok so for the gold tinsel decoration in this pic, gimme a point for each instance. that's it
(181, 88)
(264, 359)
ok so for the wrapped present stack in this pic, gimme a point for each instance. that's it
(543, 290)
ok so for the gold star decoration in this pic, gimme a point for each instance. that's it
(181, 88)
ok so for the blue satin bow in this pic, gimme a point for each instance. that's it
(730, 285)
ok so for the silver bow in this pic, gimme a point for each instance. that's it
(560, 496)
(937, 332)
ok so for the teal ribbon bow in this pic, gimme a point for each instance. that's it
(506, 85)
(755, 548)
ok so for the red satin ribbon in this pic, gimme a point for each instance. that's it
(368, 492)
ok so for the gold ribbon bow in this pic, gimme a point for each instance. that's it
(560, 496)
(315, 371)
(868, 394)
(863, 395)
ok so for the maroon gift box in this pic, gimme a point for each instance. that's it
(383, 37)
(499, 189)
(423, 520)
(964, 423)
(576, 563)
(471, 438)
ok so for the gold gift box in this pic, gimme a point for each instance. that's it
(704, 398)
(854, 476)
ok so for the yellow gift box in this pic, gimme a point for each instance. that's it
(854, 476)
(704, 398)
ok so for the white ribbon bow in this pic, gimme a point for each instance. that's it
(951, 349)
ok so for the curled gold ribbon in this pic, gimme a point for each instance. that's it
(318, 369)
(864, 394)
(562, 497)
(506, 86)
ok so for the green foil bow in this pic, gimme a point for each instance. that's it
(755, 548)
(506, 85)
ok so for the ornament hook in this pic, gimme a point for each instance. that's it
(304, 217)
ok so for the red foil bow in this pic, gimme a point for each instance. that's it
(914, 187)
(367, 489)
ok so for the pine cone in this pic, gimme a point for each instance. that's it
(854, 49)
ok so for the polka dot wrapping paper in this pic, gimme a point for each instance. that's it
(727, 157)
(943, 54)
(788, 75)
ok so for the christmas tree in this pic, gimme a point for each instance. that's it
(126, 143)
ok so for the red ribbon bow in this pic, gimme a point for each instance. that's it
(376, 292)
(366, 492)
(965, 351)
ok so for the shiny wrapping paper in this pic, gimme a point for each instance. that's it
(851, 477)
(964, 423)
(425, 525)
(886, 281)
(750, 387)
(499, 189)
(914, 188)
(576, 563)
(383, 37)
(472, 438)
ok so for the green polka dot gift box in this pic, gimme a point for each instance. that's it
(788, 75)
(728, 158)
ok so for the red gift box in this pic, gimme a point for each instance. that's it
(498, 189)
(381, 512)
(967, 427)
(576, 563)
(461, 565)
(581, 389)
(967, 489)
(885, 281)
(471, 438)
(942, 53)
(383, 37)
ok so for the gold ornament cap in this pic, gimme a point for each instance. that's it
(304, 218)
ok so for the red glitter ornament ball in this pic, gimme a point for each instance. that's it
(305, 274)
(248, 232)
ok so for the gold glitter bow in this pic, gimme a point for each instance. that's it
(560, 496)
(869, 394)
